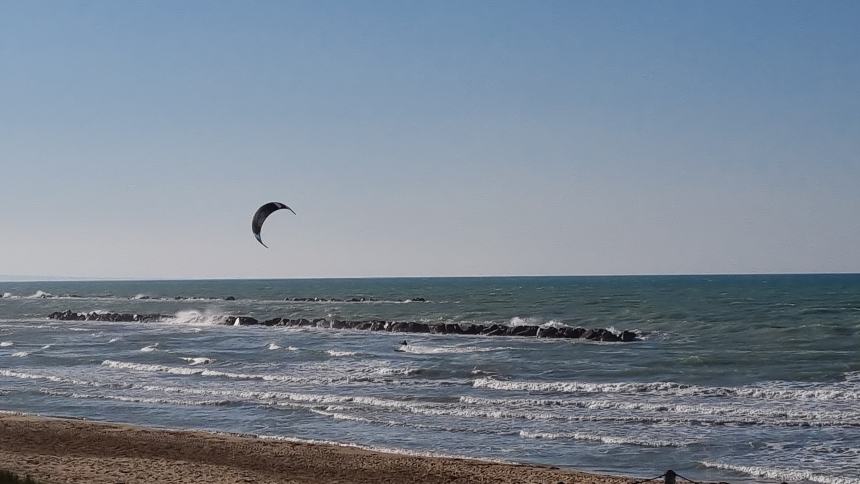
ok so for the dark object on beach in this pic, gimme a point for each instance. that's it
(404, 343)
(7, 477)
(261, 215)
(229, 298)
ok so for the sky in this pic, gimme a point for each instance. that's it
(428, 138)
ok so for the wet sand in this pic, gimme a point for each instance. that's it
(55, 450)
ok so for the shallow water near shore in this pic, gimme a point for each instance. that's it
(737, 378)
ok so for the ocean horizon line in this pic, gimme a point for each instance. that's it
(24, 278)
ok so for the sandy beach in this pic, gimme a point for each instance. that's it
(59, 450)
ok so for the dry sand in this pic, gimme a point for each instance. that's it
(55, 450)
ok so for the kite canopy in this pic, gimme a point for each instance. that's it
(261, 215)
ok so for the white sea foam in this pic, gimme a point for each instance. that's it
(40, 295)
(790, 475)
(340, 353)
(45, 347)
(198, 360)
(395, 371)
(150, 348)
(21, 354)
(6, 295)
(273, 346)
(292, 348)
(432, 350)
(114, 340)
(606, 439)
(6, 344)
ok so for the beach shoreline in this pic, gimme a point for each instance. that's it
(64, 450)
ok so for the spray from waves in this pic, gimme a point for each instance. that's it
(197, 318)
(6, 295)
(6, 344)
(340, 353)
(790, 475)
(40, 295)
(767, 392)
(518, 321)
(433, 350)
(531, 321)
(606, 439)
(198, 360)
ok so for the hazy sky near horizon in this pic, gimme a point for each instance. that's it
(429, 138)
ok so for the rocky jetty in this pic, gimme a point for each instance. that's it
(102, 316)
(565, 332)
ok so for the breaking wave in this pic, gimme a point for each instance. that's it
(790, 475)
(768, 392)
(122, 398)
(851, 418)
(602, 438)
(173, 370)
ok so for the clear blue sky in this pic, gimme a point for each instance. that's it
(429, 138)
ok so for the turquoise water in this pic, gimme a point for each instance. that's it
(738, 378)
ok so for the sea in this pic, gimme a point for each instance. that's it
(751, 378)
